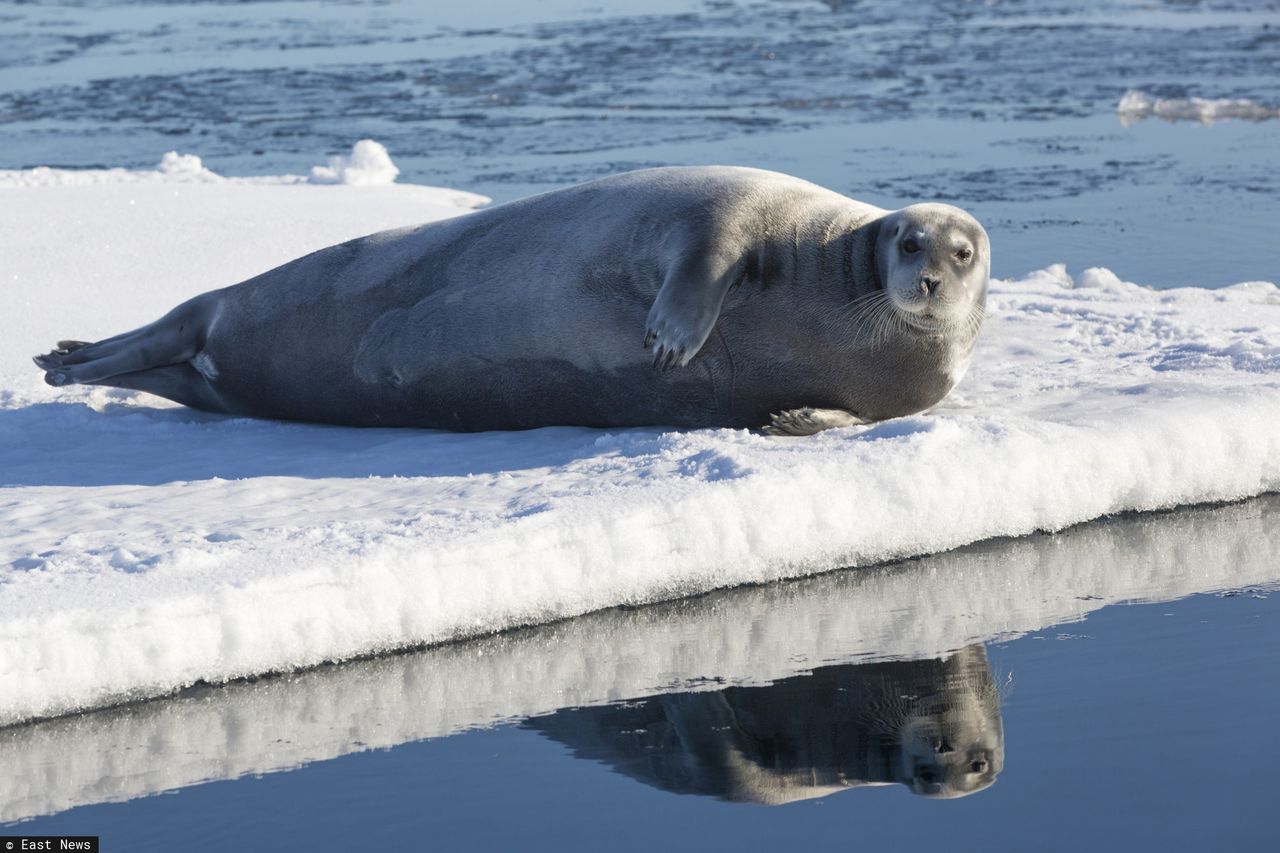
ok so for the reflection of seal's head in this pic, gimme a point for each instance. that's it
(934, 766)
(951, 742)
(934, 261)
(931, 725)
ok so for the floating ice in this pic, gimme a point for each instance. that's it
(367, 165)
(1135, 105)
(144, 547)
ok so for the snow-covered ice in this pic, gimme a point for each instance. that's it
(755, 635)
(144, 546)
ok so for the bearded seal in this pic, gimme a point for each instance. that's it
(763, 301)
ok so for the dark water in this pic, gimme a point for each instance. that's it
(1111, 687)
(1004, 107)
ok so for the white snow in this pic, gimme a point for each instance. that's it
(1135, 104)
(144, 546)
(367, 165)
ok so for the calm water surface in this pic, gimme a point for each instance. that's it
(1112, 687)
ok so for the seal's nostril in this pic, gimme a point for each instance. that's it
(929, 284)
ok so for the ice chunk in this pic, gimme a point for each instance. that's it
(367, 165)
(1136, 105)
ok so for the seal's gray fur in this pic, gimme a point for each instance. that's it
(750, 292)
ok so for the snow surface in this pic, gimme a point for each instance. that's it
(1135, 104)
(144, 546)
(755, 635)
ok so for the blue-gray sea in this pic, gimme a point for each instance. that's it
(1125, 698)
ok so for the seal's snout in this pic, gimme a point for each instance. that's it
(927, 780)
(929, 284)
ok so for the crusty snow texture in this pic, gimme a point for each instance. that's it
(144, 546)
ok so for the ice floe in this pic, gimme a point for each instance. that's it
(145, 547)
(1136, 105)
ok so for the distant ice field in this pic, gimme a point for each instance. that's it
(145, 547)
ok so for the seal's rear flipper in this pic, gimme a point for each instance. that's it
(181, 383)
(174, 339)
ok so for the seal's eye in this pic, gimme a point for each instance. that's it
(910, 246)
(978, 766)
(964, 255)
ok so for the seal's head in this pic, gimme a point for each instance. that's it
(933, 261)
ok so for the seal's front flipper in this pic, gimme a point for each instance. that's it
(807, 421)
(688, 306)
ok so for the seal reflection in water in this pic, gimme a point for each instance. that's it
(931, 725)
(687, 297)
